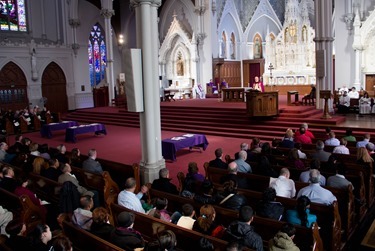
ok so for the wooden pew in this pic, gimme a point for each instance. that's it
(22, 207)
(149, 227)
(9, 126)
(304, 236)
(45, 188)
(111, 190)
(84, 240)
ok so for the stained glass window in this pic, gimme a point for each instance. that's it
(97, 55)
(13, 15)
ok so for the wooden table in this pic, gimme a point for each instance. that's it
(233, 94)
(289, 98)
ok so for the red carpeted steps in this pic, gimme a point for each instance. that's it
(219, 119)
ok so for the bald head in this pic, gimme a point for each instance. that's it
(285, 172)
(232, 167)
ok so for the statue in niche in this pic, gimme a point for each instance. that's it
(34, 72)
(180, 65)
(221, 49)
(304, 34)
(257, 48)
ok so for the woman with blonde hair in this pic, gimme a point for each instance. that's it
(206, 224)
(39, 164)
(288, 141)
(363, 157)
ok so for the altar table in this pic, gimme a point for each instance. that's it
(71, 132)
(46, 130)
(172, 145)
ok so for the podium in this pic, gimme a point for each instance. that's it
(101, 96)
(325, 94)
(262, 104)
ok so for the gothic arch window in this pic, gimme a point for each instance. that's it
(97, 55)
(224, 45)
(13, 15)
(257, 46)
(232, 46)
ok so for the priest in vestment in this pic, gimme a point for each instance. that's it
(258, 85)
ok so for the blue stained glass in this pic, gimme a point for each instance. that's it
(13, 15)
(96, 55)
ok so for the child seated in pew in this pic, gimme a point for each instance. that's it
(160, 209)
(206, 224)
(166, 242)
(301, 215)
(187, 219)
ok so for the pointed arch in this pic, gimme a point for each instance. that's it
(54, 88)
(13, 87)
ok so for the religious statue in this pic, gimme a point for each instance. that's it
(257, 50)
(180, 66)
(34, 72)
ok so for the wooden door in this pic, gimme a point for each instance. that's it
(54, 88)
(13, 88)
(370, 83)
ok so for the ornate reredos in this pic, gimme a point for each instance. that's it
(367, 33)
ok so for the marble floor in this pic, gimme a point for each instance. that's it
(359, 121)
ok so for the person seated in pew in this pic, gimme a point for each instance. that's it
(344, 103)
(53, 172)
(288, 140)
(160, 209)
(283, 185)
(232, 175)
(255, 150)
(370, 147)
(206, 224)
(283, 240)
(26, 145)
(364, 158)
(353, 93)
(82, 216)
(128, 199)
(8, 181)
(242, 165)
(60, 155)
(192, 180)
(43, 149)
(364, 141)
(91, 164)
(339, 180)
(301, 215)
(40, 238)
(74, 158)
(16, 229)
(332, 141)
(5, 217)
(349, 135)
(305, 176)
(294, 161)
(33, 148)
(315, 192)
(243, 147)
(206, 195)
(23, 189)
(265, 168)
(308, 133)
(166, 241)
(341, 149)
(319, 153)
(62, 243)
(17, 146)
(187, 219)
(124, 235)
(269, 152)
(229, 198)
(4, 155)
(241, 230)
(218, 161)
(100, 223)
(39, 164)
(268, 207)
(164, 183)
(301, 137)
(301, 154)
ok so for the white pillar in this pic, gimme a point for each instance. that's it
(57, 11)
(150, 126)
(107, 14)
(323, 43)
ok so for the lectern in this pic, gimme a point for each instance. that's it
(325, 94)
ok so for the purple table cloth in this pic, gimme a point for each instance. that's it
(46, 130)
(71, 132)
(172, 145)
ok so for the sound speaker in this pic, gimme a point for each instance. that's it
(134, 80)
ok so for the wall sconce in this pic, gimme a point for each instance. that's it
(121, 41)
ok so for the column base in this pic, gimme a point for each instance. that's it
(150, 171)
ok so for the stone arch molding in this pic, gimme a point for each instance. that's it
(177, 40)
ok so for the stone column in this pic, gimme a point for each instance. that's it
(150, 126)
(323, 46)
(74, 22)
(107, 12)
(358, 48)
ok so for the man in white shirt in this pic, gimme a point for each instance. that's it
(341, 149)
(315, 192)
(353, 93)
(284, 186)
(128, 199)
(332, 141)
(343, 89)
(344, 103)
